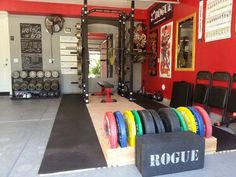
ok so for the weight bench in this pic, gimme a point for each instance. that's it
(105, 90)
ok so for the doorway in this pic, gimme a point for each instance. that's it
(5, 67)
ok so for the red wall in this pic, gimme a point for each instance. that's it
(69, 10)
(212, 56)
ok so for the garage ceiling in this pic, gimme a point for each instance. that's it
(140, 4)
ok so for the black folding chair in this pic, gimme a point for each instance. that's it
(219, 92)
(202, 88)
(230, 116)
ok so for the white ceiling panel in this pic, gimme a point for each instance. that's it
(140, 4)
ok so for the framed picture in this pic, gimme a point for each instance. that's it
(152, 62)
(185, 43)
(165, 63)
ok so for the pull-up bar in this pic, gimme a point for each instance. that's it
(159, 1)
(113, 11)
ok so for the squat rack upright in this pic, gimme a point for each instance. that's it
(123, 17)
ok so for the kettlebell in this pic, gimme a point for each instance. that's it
(158, 96)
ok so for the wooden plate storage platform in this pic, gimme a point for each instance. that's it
(122, 156)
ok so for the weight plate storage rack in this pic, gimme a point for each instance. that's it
(35, 84)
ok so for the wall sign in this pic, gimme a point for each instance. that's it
(165, 63)
(200, 19)
(218, 19)
(152, 62)
(31, 46)
(160, 13)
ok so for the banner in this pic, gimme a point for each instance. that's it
(160, 13)
(31, 46)
(152, 62)
(200, 19)
(218, 19)
(165, 63)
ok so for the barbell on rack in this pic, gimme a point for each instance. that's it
(127, 52)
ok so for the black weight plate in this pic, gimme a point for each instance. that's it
(147, 122)
(159, 126)
(169, 119)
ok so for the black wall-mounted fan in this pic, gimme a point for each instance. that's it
(54, 23)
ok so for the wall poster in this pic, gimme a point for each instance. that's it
(31, 46)
(218, 19)
(160, 13)
(165, 63)
(152, 62)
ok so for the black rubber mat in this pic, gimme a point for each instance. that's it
(225, 140)
(73, 143)
(148, 103)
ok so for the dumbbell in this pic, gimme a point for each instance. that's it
(43, 94)
(50, 94)
(56, 93)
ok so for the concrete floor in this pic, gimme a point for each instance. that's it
(25, 126)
